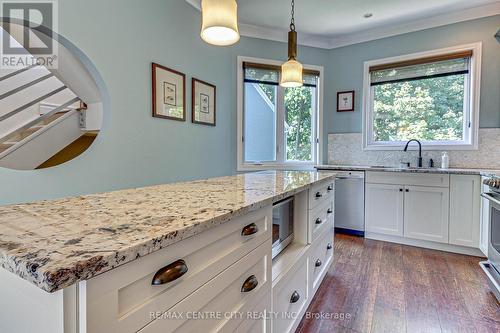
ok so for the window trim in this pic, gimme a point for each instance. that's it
(473, 106)
(279, 164)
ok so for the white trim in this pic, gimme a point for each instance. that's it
(325, 42)
(471, 251)
(279, 165)
(474, 100)
(417, 25)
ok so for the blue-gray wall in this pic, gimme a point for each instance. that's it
(345, 67)
(122, 38)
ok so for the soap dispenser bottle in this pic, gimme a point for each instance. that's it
(445, 161)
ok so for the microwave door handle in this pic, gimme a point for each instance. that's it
(491, 198)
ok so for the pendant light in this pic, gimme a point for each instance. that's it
(291, 71)
(219, 22)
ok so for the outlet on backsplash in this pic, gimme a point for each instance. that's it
(346, 149)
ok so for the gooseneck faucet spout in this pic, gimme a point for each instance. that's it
(420, 160)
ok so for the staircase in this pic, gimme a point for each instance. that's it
(39, 116)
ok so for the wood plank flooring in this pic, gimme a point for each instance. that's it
(376, 287)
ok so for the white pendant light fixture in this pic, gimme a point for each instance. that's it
(219, 22)
(291, 71)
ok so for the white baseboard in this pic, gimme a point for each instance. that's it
(426, 244)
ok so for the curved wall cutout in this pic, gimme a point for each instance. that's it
(51, 106)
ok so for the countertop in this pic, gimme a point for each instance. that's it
(54, 244)
(482, 172)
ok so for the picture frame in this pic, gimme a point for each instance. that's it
(345, 101)
(169, 93)
(204, 102)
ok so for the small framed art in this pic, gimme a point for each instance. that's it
(169, 99)
(204, 102)
(345, 101)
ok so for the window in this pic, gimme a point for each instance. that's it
(278, 127)
(432, 97)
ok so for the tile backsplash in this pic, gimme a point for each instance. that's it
(347, 149)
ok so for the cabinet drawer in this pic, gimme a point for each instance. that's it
(290, 296)
(320, 193)
(220, 304)
(258, 323)
(123, 299)
(320, 258)
(406, 178)
(320, 219)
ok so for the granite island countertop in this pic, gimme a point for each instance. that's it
(456, 171)
(54, 244)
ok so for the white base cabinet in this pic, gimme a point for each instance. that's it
(465, 210)
(425, 208)
(485, 222)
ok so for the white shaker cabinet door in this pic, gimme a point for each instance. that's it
(485, 223)
(465, 210)
(426, 213)
(384, 209)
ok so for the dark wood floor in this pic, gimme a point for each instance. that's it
(384, 287)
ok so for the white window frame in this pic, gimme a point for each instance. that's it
(280, 164)
(473, 93)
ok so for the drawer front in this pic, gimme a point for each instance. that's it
(290, 297)
(123, 299)
(320, 193)
(406, 178)
(321, 219)
(221, 304)
(257, 323)
(320, 258)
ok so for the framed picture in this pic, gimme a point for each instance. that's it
(169, 99)
(204, 102)
(345, 101)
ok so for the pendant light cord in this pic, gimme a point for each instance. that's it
(292, 23)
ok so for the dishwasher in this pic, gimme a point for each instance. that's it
(350, 203)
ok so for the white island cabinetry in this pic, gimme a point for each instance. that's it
(202, 266)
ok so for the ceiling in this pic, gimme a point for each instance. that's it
(334, 23)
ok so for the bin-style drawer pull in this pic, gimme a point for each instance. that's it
(295, 297)
(170, 273)
(250, 229)
(330, 188)
(329, 246)
(329, 211)
(319, 221)
(319, 195)
(249, 284)
(318, 263)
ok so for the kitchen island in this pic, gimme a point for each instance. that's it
(74, 249)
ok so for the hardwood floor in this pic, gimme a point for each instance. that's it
(376, 287)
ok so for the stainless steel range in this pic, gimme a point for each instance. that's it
(492, 266)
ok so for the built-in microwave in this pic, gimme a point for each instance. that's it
(282, 225)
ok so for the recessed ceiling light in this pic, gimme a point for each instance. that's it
(368, 15)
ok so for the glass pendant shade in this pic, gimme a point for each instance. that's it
(291, 71)
(291, 74)
(219, 22)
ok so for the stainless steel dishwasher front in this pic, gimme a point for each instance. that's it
(350, 202)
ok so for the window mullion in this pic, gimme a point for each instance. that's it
(280, 126)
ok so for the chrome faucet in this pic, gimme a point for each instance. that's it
(420, 160)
